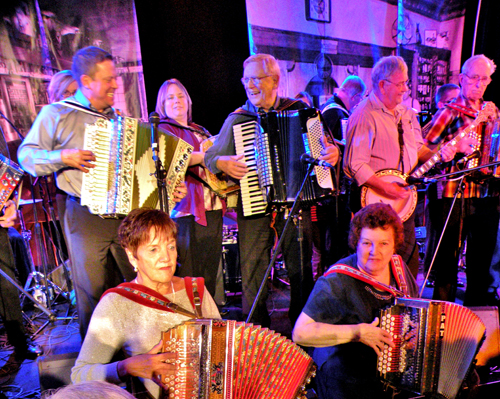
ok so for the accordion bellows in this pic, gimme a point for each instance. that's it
(234, 360)
(435, 345)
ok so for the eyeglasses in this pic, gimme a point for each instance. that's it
(399, 85)
(256, 80)
(485, 80)
(68, 93)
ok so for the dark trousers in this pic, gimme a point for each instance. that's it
(331, 231)
(256, 238)
(98, 262)
(199, 248)
(10, 307)
(21, 257)
(480, 226)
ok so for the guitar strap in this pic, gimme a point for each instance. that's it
(401, 145)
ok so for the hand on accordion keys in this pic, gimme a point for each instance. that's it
(9, 216)
(151, 365)
(79, 159)
(373, 336)
(231, 165)
(180, 192)
(329, 153)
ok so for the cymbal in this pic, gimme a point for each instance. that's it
(28, 201)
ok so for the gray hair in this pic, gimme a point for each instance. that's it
(92, 390)
(58, 85)
(269, 63)
(353, 85)
(162, 98)
(386, 67)
(475, 58)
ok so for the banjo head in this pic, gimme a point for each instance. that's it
(403, 207)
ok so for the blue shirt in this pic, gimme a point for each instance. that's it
(58, 127)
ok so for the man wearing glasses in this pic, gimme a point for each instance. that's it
(383, 133)
(478, 218)
(261, 77)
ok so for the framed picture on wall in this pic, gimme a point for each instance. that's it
(319, 10)
(430, 38)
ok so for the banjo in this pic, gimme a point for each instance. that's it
(405, 207)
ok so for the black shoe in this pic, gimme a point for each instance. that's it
(31, 351)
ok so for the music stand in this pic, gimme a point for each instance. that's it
(296, 202)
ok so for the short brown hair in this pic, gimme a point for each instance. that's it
(135, 228)
(374, 216)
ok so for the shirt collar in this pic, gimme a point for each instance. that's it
(82, 99)
(253, 108)
(378, 104)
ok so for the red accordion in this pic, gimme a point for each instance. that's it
(10, 176)
(234, 360)
(435, 345)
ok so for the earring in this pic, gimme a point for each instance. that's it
(136, 269)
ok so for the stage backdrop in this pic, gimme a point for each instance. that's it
(320, 42)
(39, 37)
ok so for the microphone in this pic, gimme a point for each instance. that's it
(306, 158)
(419, 180)
(475, 154)
(154, 120)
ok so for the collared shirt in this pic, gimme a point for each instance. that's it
(58, 127)
(224, 143)
(373, 139)
(445, 125)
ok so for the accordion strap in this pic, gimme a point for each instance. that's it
(150, 298)
(462, 109)
(195, 288)
(397, 268)
(83, 108)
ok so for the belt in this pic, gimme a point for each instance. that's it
(73, 198)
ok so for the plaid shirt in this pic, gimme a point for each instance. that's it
(448, 123)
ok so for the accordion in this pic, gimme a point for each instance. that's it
(272, 147)
(10, 176)
(124, 175)
(435, 345)
(234, 360)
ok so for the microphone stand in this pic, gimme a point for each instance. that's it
(280, 242)
(160, 172)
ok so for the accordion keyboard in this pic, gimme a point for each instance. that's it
(253, 200)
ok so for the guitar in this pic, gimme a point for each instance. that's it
(405, 207)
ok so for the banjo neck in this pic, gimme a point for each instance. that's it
(405, 207)
(481, 116)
